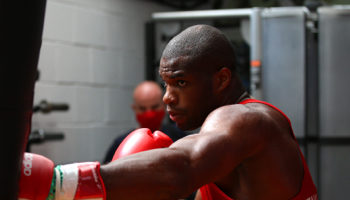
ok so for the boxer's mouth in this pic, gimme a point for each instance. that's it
(175, 116)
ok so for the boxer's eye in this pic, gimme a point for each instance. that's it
(181, 83)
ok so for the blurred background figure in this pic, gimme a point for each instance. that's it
(150, 113)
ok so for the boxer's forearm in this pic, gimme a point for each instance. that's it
(155, 174)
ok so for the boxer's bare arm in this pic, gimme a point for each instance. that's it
(175, 172)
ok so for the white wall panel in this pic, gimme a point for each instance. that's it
(92, 56)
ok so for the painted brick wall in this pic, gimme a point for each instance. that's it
(92, 56)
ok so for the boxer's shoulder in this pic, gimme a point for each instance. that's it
(239, 113)
(248, 113)
(258, 121)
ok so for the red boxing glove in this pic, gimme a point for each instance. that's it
(141, 140)
(41, 181)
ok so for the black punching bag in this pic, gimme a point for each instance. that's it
(21, 26)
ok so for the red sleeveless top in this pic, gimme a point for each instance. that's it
(308, 190)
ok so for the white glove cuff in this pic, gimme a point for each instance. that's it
(66, 181)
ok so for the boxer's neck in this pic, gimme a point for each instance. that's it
(243, 96)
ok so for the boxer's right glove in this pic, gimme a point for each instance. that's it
(41, 181)
(141, 140)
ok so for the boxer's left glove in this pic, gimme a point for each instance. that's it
(142, 139)
(40, 180)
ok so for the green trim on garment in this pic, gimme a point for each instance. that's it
(52, 192)
(61, 175)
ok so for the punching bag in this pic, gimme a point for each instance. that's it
(21, 26)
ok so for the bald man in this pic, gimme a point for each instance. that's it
(148, 105)
(149, 112)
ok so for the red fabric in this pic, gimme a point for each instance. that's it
(151, 119)
(90, 183)
(212, 192)
(308, 190)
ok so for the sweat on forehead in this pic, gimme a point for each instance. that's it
(200, 44)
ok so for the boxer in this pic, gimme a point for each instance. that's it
(245, 148)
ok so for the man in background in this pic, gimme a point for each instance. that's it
(149, 112)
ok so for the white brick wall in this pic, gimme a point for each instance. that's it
(92, 56)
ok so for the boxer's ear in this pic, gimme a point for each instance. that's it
(222, 79)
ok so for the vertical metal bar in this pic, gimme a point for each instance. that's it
(255, 59)
(312, 96)
(150, 50)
